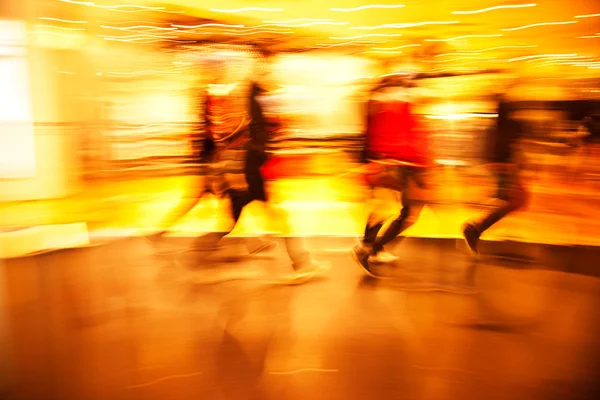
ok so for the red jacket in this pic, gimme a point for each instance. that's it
(393, 132)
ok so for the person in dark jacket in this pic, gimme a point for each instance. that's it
(502, 160)
(214, 150)
(256, 156)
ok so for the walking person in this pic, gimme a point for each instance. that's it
(502, 161)
(215, 147)
(305, 267)
(396, 156)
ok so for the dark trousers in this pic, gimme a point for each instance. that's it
(239, 198)
(512, 195)
(397, 179)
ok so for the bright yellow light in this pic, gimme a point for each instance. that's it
(367, 7)
(17, 143)
(539, 24)
(494, 8)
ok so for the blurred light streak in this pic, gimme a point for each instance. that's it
(397, 47)
(539, 24)
(470, 53)
(62, 20)
(297, 371)
(385, 51)
(494, 8)
(134, 27)
(596, 36)
(370, 6)
(60, 27)
(309, 24)
(291, 21)
(144, 72)
(147, 41)
(464, 37)
(540, 56)
(408, 25)
(134, 22)
(453, 59)
(140, 35)
(349, 43)
(258, 32)
(559, 59)
(118, 8)
(66, 72)
(206, 25)
(394, 74)
(587, 16)
(92, 4)
(238, 10)
(366, 35)
(507, 47)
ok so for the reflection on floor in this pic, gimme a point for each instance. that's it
(127, 321)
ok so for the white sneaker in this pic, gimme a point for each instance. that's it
(383, 257)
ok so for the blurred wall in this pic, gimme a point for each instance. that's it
(42, 141)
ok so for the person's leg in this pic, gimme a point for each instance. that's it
(512, 196)
(256, 192)
(187, 203)
(408, 214)
(386, 178)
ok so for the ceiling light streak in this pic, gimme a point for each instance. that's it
(350, 43)
(251, 33)
(493, 8)
(309, 24)
(507, 47)
(141, 35)
(541, 56)
(291, 21)
(367, 7)
(596, 36)
(239, 10)
(137, 8)
(62, 20)
(132, 28)
(397, 47)
(206, 25)
(559, 59)
(540, 24)
(463, 37)
(366, 35)
(587, 16)
(408, 25)
(60, 27)
(472, 53)
(384, 51)
(150, 71)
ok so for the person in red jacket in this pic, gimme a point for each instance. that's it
(396, 154)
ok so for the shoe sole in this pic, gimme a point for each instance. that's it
(362, 267)
(473, 252)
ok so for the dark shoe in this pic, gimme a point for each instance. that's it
(471, 236)
(361, 256)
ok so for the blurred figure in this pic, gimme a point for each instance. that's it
(211, 148)
(396, 154)
(256, 157)
(502, 161)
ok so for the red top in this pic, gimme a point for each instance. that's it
(393, 132)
